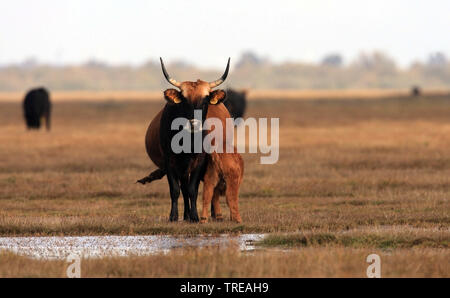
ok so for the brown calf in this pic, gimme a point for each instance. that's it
(224, 174)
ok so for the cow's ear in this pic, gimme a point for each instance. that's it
(172, 96)
(217, 97)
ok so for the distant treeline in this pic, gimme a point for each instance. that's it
(373, 70)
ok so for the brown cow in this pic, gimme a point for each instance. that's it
(224, 171)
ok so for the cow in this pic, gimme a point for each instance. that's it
(221, 172)
(37, 106)
(416, 91)
(236, 103)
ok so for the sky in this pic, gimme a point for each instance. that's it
(206, 33)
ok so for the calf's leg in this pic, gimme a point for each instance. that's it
(232, 197)
(233, 168)
(210, 181)
(215, 206)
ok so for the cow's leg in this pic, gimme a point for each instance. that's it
(47, 120)
(215, 206)
(38, 120)
(213, 212)
(34, 120)
(194, 182)
(174, 194)
(187, 207)
(193, 193)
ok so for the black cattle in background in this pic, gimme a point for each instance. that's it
(236, 103)
(416, 91)
(36, 106)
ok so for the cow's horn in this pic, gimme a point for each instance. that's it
(222, 79)
(168, 78)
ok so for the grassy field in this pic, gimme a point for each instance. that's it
(215, 262)
(252, 94)
(354, 177)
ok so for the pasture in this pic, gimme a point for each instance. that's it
(354, 177)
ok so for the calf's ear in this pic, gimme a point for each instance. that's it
(217, 96)
(172, 96)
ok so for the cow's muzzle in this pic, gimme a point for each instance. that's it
(193, 125)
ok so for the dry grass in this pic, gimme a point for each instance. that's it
(257, 94)
(340, 94)
(356, 166)
(87, 96)
(215, 262)
(389, 237)
(342, 165)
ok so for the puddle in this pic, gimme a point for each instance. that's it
(104, 246)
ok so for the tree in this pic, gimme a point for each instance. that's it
(30, 62)
(332, 60)
(250, 58)
(376, 61)
(437, 59)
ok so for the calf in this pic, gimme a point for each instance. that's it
(223, 175)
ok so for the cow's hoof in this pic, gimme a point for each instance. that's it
(186, 215)
(203, 220)
(194, 218)
(173, 218)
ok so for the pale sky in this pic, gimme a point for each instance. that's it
(206, 33)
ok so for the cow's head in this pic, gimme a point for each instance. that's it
(193, 96)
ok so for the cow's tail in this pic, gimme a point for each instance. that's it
(155, 175)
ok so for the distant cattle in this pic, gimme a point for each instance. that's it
(415, 91)
(37, 106)
(236, 103)
(222, 173)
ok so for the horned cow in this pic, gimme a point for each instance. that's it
(221, 172)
